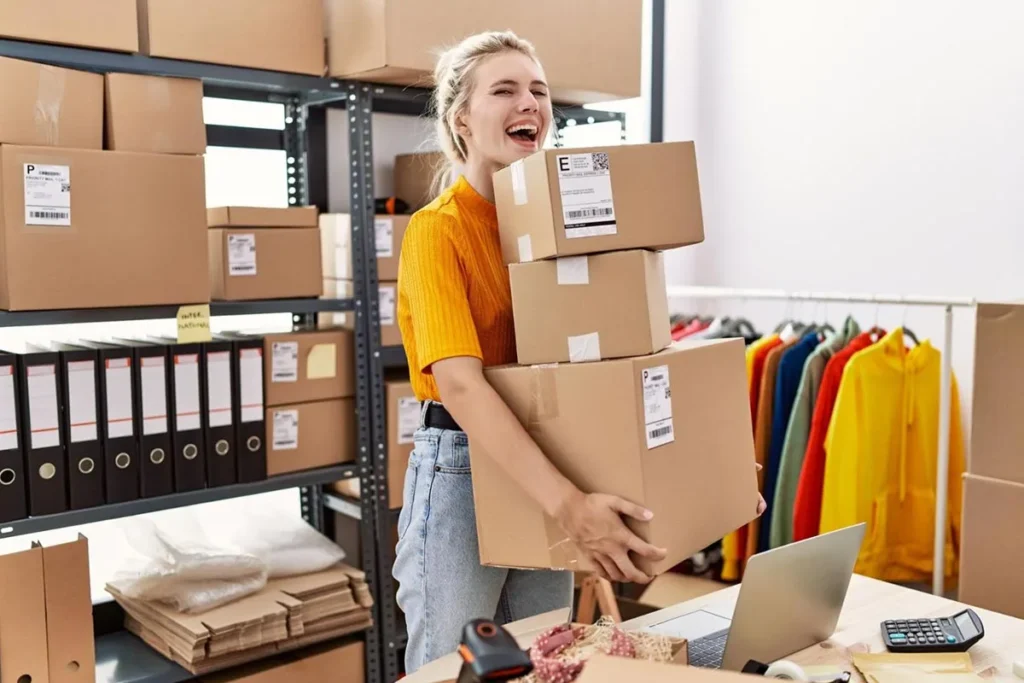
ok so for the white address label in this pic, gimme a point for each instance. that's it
(47, 194)
(585, 184)
(386, 303)
(286, 430)
(285, 365)
(241, 255)
(408, 419)
(384, 232)
(657, 406)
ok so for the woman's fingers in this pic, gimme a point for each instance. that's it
(611, 571)
(633, 510)
(628, 569)
(644, 549)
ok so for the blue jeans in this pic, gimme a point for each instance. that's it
(442, 584)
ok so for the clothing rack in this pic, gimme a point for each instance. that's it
(945, 386)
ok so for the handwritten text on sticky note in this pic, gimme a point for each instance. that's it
(194, 324)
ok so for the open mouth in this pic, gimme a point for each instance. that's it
(522, 132)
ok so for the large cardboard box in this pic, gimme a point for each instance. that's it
(96, 221)
(414, 177)
(48, 105)
(102, 24)
(264, 263)
(309, 366)
(669, 431)
(387, 302)
(403, 419)
(336, 289)
(389, 232)
(262, 34)
(305, 436)
(565, 202)
(262, 217)
(336, 245)
(23, 650)
(69, 629)
(590, 49)
(997, 430)
(155, 114)
(584, 308)
(990, 560)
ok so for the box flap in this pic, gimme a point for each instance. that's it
(605, 669)
(261, 217)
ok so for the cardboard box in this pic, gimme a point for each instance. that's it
(305, 436)
(345, 664)
(565, 202)
(154, 114)
(262, 34)
(670, 432)
(584, 308)
(990, 562)
(102, 24)
(69, 628)
(414, 177)
(23, 650)
(48, 105)
(390, 334)
(389, 232)
(125, 218)
(998, 403)
(336, 246)
(264, 263)
(336, 289)
(403, 419)
(262, 217)
(309, 366)
(397, 41)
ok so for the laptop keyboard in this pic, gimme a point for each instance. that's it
(707, 652)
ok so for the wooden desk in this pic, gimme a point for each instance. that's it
(868, 603)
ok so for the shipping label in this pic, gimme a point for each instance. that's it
(657, 406)
(242, 254)
(286, 430)
(47, 194)
(386, 304)
(408, 418)
(585, 184)
(384, 231)
(285, 362)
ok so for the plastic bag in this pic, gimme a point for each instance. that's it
(287, 545)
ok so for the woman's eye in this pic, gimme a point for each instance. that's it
(539, 93)
(503, 91)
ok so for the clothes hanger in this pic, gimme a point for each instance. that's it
(907, 332)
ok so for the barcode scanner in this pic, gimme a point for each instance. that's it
(490, 653)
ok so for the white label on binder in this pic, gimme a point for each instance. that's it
(384, 231)
(218, 384)
(242, 254)
(285, 367)
(154, 395)
(47, 195)
(408, 418)
(657, 406)
(8, 412)
(250, 369)
(386, 304)
(585, 183)
(286, 430)
(82, 400)
(119, 397)
(186, 391)
(42, 406)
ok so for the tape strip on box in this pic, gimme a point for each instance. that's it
(49, 99)
(518, 171)
(543, 394)
(573, 270)
(525, 249)
(584, 348)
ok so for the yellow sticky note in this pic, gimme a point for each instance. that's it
(194, 324)
(321, 363)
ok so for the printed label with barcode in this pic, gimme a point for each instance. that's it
(286, 430)
(386, 304)
(657, 406)
(585, 185)
(284, 362)
(384, 234)
(241, 254)
(47, 194)
(408, 418)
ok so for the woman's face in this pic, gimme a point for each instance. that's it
(509, 111)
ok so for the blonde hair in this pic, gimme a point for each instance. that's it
(453, 86)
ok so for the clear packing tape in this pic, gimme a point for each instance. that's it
(49, 99)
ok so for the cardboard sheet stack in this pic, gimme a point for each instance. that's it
(287, 614)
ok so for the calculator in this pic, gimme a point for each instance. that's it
(945, 634)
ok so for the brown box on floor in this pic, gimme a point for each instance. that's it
(389, 231)
(98, 220)
(48, 105)
(586, 201)
(336, 289)
(305, 436)
(102, 24)
(669, 431)
(281, 35)
(309, 366)
(69, 628)
(344, 664)
(414, 177)
(387, 303)
(990, 560)
(262, 217)
(584, 308)
(396, 41)
(155, 114)
(264, 263)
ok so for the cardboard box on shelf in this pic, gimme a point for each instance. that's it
(565, 202)
(309, 366)
(262, 217)
(414, 177)
(584, 308)
(264, 263)
(261, 34)
(69, 629)
(336, 289)
(48, 105)
(97, 220)
(403, 419)
(396, 41)
(305, 436)
(669, 431)
(342, 664)
(990, 575)
(101, 24)
(387, 303)
(336, 246)
(155, 114)
(389, 231)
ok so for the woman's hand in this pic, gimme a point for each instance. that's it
(761, 505)
(593, 523)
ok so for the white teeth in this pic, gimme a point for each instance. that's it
(522, 127)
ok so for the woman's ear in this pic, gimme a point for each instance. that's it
(460, 126)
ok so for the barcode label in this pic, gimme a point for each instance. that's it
(660, 432)
(585, 185)
(589, 213)
(50, 215)
(654, 383)
(47, 194)
(286, 430)
(285, 362)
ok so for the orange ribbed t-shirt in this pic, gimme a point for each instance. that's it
(454, 297)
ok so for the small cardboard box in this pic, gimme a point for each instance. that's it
(69, 629)
(102, 24)
(584, 308)
(336, 246)
(98, 220)
(414, 177)
(261, 34)
(264, 263)
(336, 289)
(389, 232)
(403, 419)
(390, 334)
(262, 217)
(309, 366)
(48, 105)
(990, 566)
(565, 202)
(305, 436)
(670, 432)
(155, 114)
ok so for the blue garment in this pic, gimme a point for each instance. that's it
(787, 383)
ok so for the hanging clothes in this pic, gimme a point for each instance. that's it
(880, 467)
(757, 373)
(798, 431)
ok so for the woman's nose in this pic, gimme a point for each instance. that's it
(528, 103)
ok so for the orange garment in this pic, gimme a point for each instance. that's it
(757, 372)
(454, 297)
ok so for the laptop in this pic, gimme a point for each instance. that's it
(790, 599)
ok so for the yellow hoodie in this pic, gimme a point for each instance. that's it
(881, 452)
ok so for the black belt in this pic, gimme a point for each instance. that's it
(438, 417)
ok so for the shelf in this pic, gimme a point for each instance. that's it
(33, 525)
(343, 505)
(393, 357)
